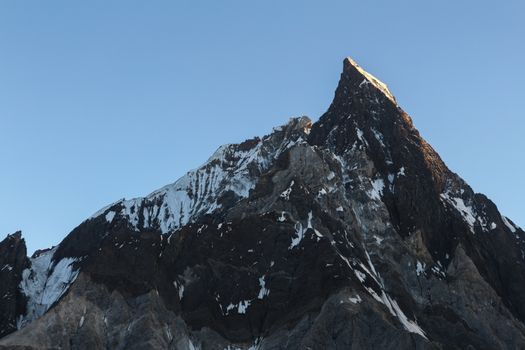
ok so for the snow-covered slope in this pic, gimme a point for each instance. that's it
(44, 283)
(228, 175)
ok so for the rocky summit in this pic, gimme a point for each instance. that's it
(345, 233)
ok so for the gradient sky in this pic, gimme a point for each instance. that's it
(101, 100)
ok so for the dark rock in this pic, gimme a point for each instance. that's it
(13, 260)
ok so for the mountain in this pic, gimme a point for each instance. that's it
(346, 233)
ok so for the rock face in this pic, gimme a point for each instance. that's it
(13, 261)
(348, 233)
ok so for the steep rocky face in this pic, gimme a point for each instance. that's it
(346, 233)
(13, 260)
(421, 195)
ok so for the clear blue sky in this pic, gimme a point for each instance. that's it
(101, 100)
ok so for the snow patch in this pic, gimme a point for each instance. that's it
(360, 276)
(263, 291)
(359, 133)
(110, 216)
(508, 224)
(409, 325)
(438, 270)
(466, 211)
(379, 137)
(44, 283)
(299, 234)
(377, 189)
(364, 82)
(300, 231)
(241, 307)
(180, 289)
(378, 239)
(356, 300)
(420, 268)
(286, 193)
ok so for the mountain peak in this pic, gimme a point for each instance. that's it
(356, 74)
(362, 105)
(348, 231)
